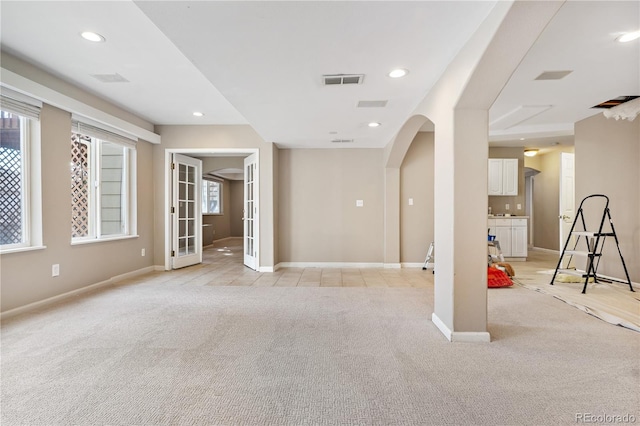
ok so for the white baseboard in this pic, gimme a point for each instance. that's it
(328, 265)
(392, 265)
(416, 265)
(460, 336)
(546, 250)
(266, 269)
(441, 326)
(76, 292)
(471, 336)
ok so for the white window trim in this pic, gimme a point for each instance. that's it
(84, 240)
(32, 187)
(220, 189)
(129, 194)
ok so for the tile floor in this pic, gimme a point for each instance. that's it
(222, 266)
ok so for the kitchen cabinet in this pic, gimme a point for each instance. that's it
(519, 238)
(512, 233)
(503, 176)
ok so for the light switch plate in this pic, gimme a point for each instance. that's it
(410, 201)
(359, 203)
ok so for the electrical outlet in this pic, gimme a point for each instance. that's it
(506, 206)
(55, 270)
(143, 252)
(519, 206)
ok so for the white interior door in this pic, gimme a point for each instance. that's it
(567, 196)
(251, 190)
(186, 211)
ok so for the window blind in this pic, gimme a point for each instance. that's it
(17, 103)
(102, 132)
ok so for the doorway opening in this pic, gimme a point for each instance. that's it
(192, 226)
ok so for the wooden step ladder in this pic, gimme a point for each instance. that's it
(593, 249)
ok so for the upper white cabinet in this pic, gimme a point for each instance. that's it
(503, 176)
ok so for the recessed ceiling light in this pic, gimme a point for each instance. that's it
(521, 139)
(624, 38)
(398, 72)
(91, 36)
(374, 124)
(198, 114)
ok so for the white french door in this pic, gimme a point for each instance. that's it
(186, 211)
(250, 219)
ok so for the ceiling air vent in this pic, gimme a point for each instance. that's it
(372, 104)
(615, 101)
(342, 141)
(342, 79)
(110, 78)
(553, 75)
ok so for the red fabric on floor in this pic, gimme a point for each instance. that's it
(497, 278)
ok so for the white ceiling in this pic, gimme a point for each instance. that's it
(261, 63)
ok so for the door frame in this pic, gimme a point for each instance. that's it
(168, 154)
(562, 238)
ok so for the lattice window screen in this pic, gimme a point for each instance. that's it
(80, 185)
(11, 194)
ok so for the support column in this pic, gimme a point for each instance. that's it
(460, 296)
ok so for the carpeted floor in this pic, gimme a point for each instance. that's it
(159, 352)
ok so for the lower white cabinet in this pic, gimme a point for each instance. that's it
(512, 235)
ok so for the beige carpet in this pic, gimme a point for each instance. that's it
(611, 302)
(164, 352)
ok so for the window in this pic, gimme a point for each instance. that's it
(13, 178)
(102, 189)
(20, 201)
(211, 197)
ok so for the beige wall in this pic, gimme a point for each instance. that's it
(607, 162)
(183, 138)
(416, 182)
(318, 218)
(26, 70)
(498, 202)
(26, 276)
(226, 224)
(546, 199)
(236, 206)
(211, 164)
